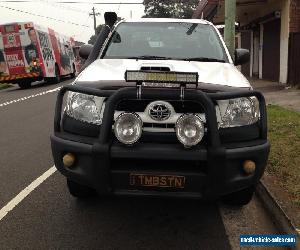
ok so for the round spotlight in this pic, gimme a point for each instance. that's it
(189, 129)
(128, 128)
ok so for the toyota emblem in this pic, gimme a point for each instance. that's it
(159, 111)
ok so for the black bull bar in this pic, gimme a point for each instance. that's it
(215, 150)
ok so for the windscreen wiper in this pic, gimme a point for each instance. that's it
(204, 59)
(192, 28)
(148, 57)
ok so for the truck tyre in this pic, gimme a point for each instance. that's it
(78, 190)
(24, 84)
(56, 79)
(48, 80)
(239, 198)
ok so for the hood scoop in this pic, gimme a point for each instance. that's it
(155, 68)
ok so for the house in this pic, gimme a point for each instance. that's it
(270, 29)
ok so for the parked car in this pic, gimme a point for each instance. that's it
(160, 109)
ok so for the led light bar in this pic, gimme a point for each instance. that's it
(158, 76)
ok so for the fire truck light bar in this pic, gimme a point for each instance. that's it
(158, 76)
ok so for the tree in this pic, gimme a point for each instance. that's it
(170, 8)
(94, 37)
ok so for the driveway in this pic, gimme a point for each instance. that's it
(278, 94)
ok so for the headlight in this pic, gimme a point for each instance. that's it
(189, 129)
(239, 112)
(86, 108)
(128, 128)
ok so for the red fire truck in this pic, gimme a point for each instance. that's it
(30, 52)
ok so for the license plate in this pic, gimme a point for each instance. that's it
(163, 181)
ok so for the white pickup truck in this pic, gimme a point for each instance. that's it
(161, 110)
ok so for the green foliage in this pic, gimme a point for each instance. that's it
(94, 37)
(284, 135)
(170, 8)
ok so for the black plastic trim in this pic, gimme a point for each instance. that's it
(159, 151)
(239, 134)
(77, 127)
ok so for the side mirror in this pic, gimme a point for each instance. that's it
(85, 51)
(242, 56)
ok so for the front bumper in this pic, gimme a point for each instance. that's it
(34, 76)
(211, 170)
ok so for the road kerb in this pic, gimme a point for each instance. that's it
(282, 221)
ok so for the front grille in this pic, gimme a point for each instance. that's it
(159, 165)
(155, 68)
(140, 106)
(158, 125)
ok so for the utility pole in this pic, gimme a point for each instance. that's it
(94, 15)
(229, 30)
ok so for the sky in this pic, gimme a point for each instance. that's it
(70, 14)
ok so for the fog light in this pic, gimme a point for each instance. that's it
(128, 128)
(68, 159)
(249, 166)
(189, 129)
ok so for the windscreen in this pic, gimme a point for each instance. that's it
(169, 40)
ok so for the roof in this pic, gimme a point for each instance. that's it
(166, 20)
(10, 23)
(206, 9)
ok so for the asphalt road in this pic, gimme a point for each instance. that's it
(49, 218)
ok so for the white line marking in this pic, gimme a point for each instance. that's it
(29, 97)
(25, 192)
